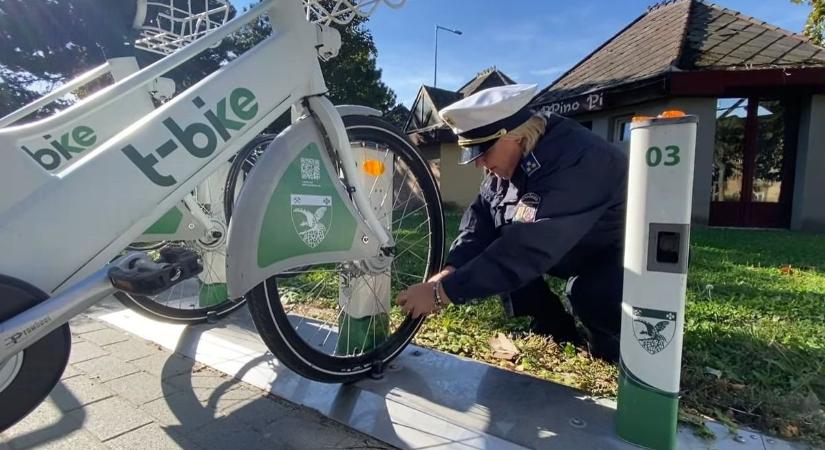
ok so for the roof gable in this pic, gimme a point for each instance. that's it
(487, 78)
(424, 112)
(684, 35)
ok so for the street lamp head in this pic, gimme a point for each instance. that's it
(439, 27)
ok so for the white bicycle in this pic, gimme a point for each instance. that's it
(199, 222)
(338, 214)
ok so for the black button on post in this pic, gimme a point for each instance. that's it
(667, 247)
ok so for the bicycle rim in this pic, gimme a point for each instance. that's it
(303, 316)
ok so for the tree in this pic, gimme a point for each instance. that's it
(815, 27)
(398, 116)
(33, 61)
(352, 77)
(45, 42)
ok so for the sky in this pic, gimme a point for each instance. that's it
(532, 41)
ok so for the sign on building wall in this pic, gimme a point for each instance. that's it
(575, 105)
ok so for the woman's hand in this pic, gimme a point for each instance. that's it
(419, 299)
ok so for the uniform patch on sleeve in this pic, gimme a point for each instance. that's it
(530, 164)
(526, 208)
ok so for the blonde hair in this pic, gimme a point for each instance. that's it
(531, 131)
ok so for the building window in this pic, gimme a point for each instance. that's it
(729, 151)
(621, 129)
(734, 162)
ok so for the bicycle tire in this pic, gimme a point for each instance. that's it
(23, 389)
(273, 322)
(162, 311)
(241, 165)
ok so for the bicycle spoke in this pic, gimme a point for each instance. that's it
(409, 249)
(394, 203)
(401, 220)
(405, 215)
(337, 320)
(412, 232)
(312, 291)
(409, 274)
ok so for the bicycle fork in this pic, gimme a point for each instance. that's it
(331, 122)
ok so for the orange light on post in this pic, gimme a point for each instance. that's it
(672, 114)
(637, 119)
(374, 167)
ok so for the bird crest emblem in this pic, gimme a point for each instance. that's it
(654, 329)
(312, 218)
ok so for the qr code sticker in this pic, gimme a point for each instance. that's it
(310, 169)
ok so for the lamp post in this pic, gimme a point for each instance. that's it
(435, 66)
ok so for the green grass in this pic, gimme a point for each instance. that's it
(756, 314)
(754, 347)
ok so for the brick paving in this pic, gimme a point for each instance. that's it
(120, 391)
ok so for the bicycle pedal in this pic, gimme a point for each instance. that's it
(140, 275)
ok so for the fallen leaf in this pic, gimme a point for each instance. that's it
(789, 430)
(503, 347)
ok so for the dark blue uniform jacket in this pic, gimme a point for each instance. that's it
(577, 182)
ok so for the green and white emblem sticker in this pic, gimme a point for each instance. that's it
(654, 329)
(317, 220)
(311, 217)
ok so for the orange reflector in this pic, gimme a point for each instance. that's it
(672, 114)
(374, 167)
(637, 119)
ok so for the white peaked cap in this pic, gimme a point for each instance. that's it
(487, 107)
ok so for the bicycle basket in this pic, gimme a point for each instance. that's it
(167, 25)
(343, 11)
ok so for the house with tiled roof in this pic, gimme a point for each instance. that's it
(434, 138)
(759, 93)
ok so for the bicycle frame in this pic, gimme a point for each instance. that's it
(144, 168)
(186, 221)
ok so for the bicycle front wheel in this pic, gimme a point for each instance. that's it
(300, 314)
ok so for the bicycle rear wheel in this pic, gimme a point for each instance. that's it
(298, 313)
(27, 377)
(202, 298)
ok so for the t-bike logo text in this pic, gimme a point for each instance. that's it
(198, 138)
(76, 141)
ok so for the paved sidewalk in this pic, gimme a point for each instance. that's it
(120, 391)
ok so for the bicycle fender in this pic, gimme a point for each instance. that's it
(293, 211)
(357, 110)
